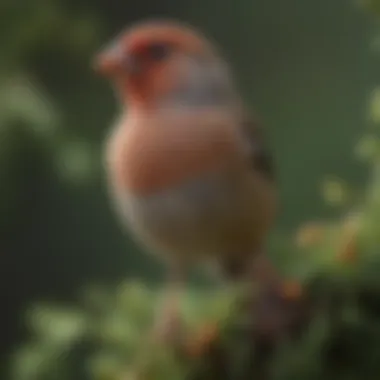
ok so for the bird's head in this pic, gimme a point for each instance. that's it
(165, 63)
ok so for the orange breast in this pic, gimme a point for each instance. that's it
(149, 154)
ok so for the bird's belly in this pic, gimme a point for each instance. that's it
(205, 216)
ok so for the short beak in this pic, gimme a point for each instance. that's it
(115, 61)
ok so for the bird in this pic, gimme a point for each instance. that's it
(188, 167)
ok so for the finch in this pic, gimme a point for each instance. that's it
(188, 168)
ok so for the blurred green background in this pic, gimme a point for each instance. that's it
(307, 67)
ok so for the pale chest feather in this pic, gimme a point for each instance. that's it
(223, 211)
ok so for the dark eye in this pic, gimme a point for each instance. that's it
(158, 52)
